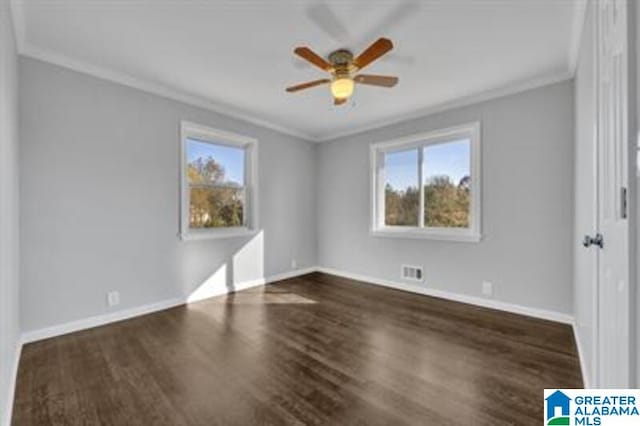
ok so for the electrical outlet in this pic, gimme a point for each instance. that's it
(113, 298)
(411, 273)
(294, 264)
(487, 288)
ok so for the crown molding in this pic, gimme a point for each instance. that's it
(499, 92)
(49, 56)
(579, 16)
(52, 57)
(46, 55)
(30, 50)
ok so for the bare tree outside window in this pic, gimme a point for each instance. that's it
(215, 175)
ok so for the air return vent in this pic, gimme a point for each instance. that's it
(411, 273)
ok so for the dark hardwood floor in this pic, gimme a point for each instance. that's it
(310, 350)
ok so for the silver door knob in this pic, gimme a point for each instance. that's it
(589, 241)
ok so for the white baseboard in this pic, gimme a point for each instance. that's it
(473, 300)
(290, 274)
(98, 320)
(8, 411)
(586, 380)
(253, 283)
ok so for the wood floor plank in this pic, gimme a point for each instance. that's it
(311, 350)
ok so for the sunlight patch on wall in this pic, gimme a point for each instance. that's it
(243, 269)
(248, 262)
(215, 285)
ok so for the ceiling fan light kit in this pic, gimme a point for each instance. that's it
(343, 68)
(342, 88)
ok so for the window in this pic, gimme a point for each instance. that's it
(218, 191)
(428, 185)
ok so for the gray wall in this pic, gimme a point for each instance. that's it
(527, 154)
(9, 262)
(100, 177)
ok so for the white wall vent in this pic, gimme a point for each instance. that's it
(411, 273)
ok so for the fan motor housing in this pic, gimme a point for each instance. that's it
(342, 61)
(341, 57)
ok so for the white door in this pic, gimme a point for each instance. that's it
(586, 203)
(613, 146)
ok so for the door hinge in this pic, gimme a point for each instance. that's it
(624, 205)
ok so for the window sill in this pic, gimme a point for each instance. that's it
(215, 234)
(438, 235)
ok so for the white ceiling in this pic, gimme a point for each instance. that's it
(236, 55)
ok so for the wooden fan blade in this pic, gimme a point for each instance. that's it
(308, 85)
(376, 80)
(373, 52)
(339, 101)
(314, 58)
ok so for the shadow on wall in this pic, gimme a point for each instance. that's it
(206, 274)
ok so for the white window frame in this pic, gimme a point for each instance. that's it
(250, 209)
(378, 227)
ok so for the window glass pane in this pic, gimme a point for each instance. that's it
(215, 207)
(401, 198)
(447, 184)
(210, 163)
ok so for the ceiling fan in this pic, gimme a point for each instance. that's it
(343, 68)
